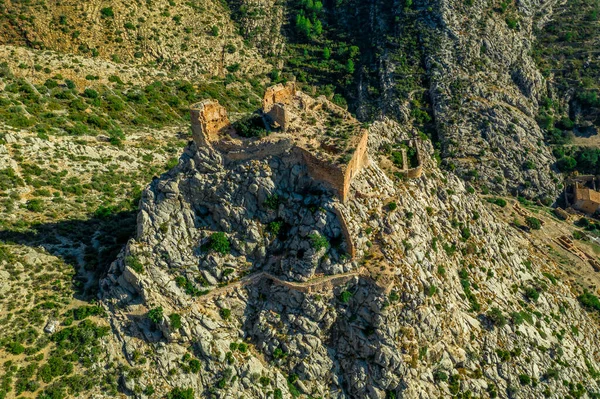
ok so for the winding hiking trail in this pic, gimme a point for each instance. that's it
(314, 284)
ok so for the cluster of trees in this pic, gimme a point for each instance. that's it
(584, 160)
(308, 22)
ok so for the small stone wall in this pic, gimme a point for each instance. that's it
(258, 150)
(417, 171)
(329, 174)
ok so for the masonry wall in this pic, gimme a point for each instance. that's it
(279, 114)
(359, 160)
(351, 247)
(329, 174)
(255, 151)
(278, 94)
(209, 118)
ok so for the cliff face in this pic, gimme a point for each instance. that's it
(437, 301)
(485, 91)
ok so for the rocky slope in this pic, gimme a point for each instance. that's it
(485, 90)
(191, 38)
(441, 298)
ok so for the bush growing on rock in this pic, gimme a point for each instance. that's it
(134, 263)
(533, 222)
(107, 12)
(496, 317)
(272, 201)
(274, 227)
(180, 393)
(532, 294)
(219, 243)
(156, 314)
(225, 313)
(345, 296)
(439, 375)
(501, 202)
(524, 379)
(589, 300)
(195, 365)
(318, 242)
(251, 126)
(175, 321)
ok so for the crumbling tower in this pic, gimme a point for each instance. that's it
(274, 103)
(209, 122)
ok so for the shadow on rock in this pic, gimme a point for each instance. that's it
(88, 245)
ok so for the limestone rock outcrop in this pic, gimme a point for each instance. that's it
(432, 305)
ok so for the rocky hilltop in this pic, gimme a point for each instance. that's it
(341, 242)
(240, 265)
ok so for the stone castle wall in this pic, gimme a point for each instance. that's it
(209, 119)
(351, 247)
(416, 172)
(359, 160)
(329, 174)
(279, 114)
(278, 94)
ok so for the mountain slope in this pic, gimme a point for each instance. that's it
(441, 299)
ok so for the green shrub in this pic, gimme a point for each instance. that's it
(392, 206)
(496, 317)
(35, 205)
(272, 201)
(134, 264)
(156, 314)
(589, 301)
(345, 296)
(107, 12)
(533, 222)
(439, 375)
(251, 126)
(501, 202)
(318, 242)
(219, 243)
(180, 393)
(524, 379)
(274, 227)
(225, 313)
(532, 294)
(15, 348)
(175, 321)
(195, 365)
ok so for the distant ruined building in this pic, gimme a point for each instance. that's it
(583, 197)
(321, 135)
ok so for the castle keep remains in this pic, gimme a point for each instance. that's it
(321, 135)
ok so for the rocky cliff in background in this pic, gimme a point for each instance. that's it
(460, 71)
(485, 90)
(438, 301)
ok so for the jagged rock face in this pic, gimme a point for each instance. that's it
(485, 91)
(261, 23)
(411, 316)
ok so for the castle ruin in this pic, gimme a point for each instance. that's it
(583, 198)
(321, 135)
